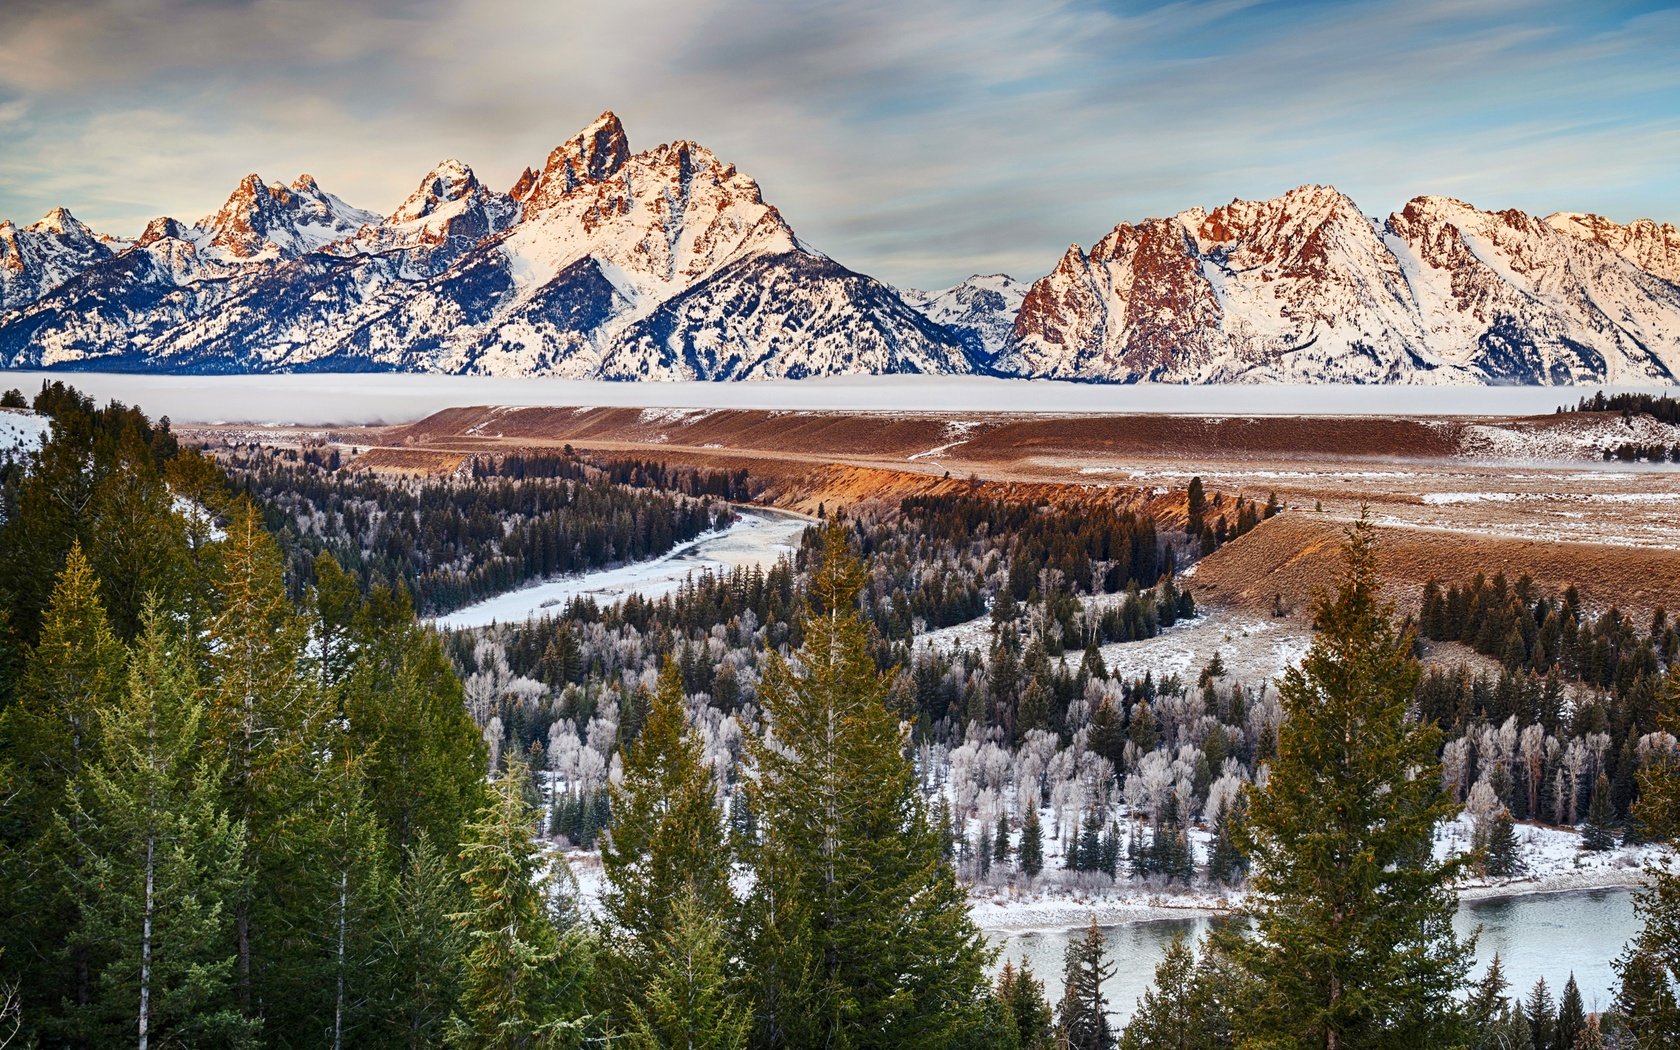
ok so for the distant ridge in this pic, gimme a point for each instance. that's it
(669, 264)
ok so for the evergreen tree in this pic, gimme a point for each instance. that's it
(1502, 857)
(1083, 1014)
(1646, 1013)
(1353, 941)
(1167, 1016)
(1226, 864)
(162, 859)
(1031, 852)
(686, 1001)
(49, 737)
(1541, 1012)
(1646, 1008)
(1029, 1010)
(860, 932)
(268, 723)
(1571, 1017)
(1487, 1005)
(1598, 834)
(426, 947)
(667, 845)
(524, 983)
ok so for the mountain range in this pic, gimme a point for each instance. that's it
(669, 264)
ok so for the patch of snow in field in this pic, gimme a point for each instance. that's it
(757, 538)
(21, 432)
(1446, 498)
(937, 452)
(1568, 436)
(325, 398)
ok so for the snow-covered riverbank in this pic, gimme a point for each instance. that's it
(756, 539)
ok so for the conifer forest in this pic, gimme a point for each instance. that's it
(251, 796)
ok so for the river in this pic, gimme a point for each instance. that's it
(1548, 935)
(758, 537)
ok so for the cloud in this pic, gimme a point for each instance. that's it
(915, 141)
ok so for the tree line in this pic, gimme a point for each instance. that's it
(450, 542)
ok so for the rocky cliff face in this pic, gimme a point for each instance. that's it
(1305, 288)
(662, 264)
(668, 263)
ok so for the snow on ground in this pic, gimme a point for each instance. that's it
(1253, 649)
(1569, 436)
(21, 432)
(757, 538)
(324, 398)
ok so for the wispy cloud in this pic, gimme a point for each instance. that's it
(917, 141)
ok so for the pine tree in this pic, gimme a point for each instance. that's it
(1487, 1005)
(162, 860)
(1028, 1009)
(687, 1001)
(1598, 834)
(1226, 864)
(1031, 852)
(1353, 940)
(1646, 1014)
(1083, 1014)
(1541, 1012)
(860, 932)
(1502, 855)
(269, 724)
(1646, 1009)
(524, 983)
(1571, 1017)
(1000, 839)
(666, 846)
(426, 948)
(49, 736)
(1167, 1017)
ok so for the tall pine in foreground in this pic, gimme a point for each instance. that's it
(861, 935)
(1353, 945)
(163, 861)
(524, 982)
(1646, 1008)
(49, 737)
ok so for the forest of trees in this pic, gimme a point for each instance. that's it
(510, 521)
(1661, 408)
(247, 805)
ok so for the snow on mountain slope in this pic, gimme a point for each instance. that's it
(1653, 248)
(1304, 288)
(981, 310)
(669, 263)
(270, 221)
(42, 256)
(442, 220)
(790, 315)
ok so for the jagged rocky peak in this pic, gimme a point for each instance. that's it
(262, 220)
(160, 228)
(523, 186)
(592, 155)
(1653, 247)
(1279, 221)
(59, 221)
(450, 181)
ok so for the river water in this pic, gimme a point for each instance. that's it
(757, 538)
(1548, 935)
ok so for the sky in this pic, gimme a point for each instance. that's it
(918, 141)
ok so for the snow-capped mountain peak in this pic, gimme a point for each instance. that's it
(981, 309)
(1653, 247)
(593, 154)
(271, 220)
(43, 255)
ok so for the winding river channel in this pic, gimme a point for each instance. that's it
(1548, 935)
